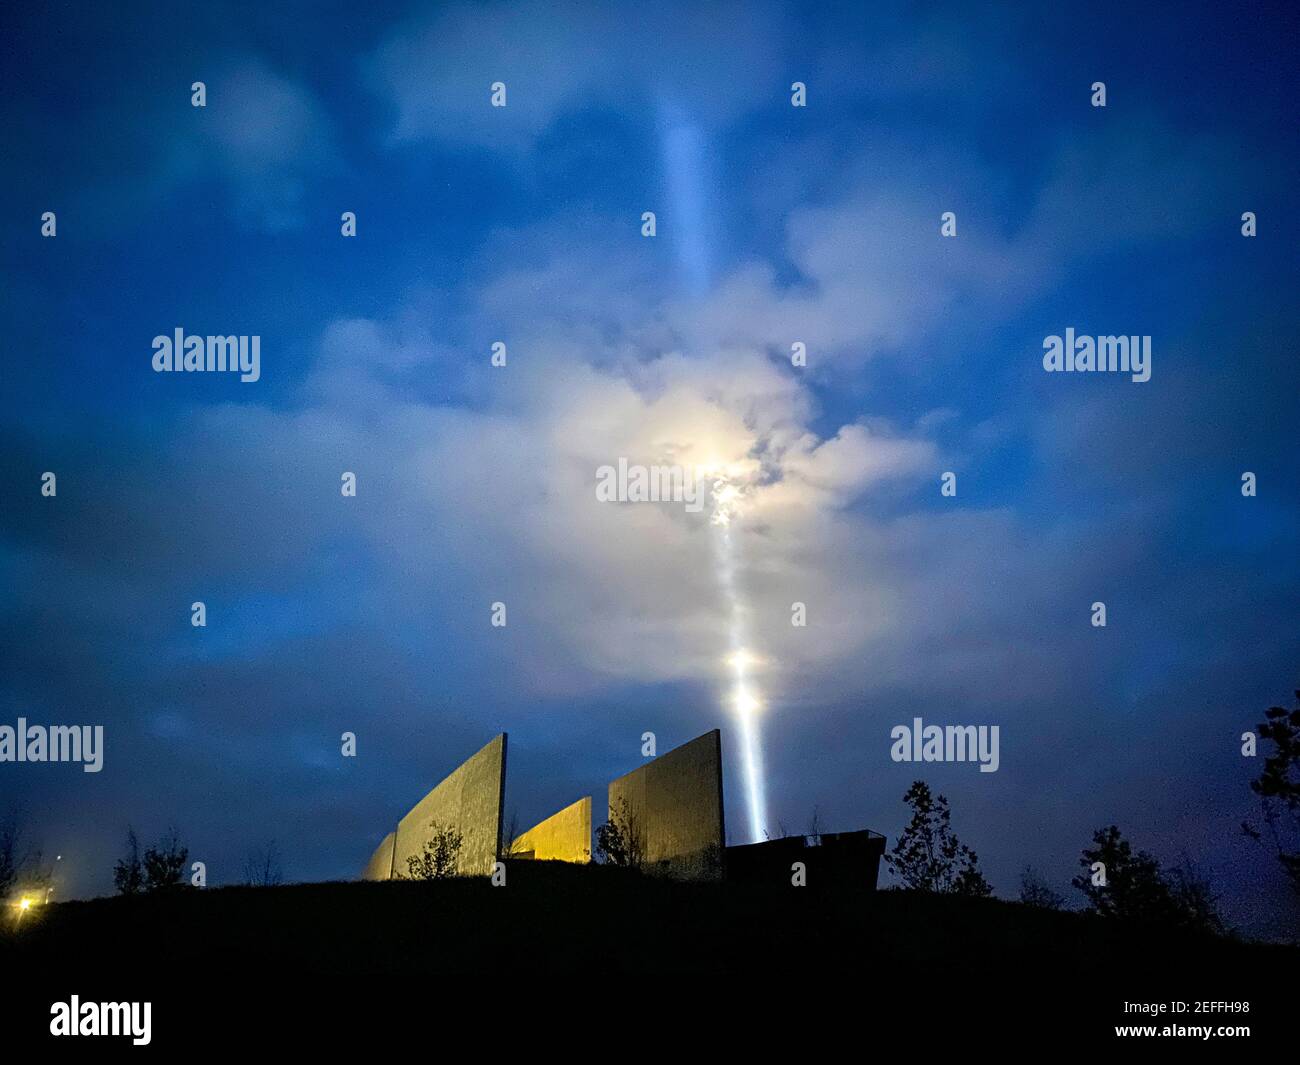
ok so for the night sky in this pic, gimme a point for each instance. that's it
(775, 224)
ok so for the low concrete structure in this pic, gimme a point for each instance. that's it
(468, 800)
(672, 807)
(831, 859)
(563, 837)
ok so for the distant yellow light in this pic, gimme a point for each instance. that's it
(26, 904)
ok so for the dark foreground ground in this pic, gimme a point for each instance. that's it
(597, 944)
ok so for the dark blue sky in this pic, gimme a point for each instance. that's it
(522, 224)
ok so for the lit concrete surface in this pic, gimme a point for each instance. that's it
(469, 800)
(380, 866)
(563, 837)
(676, 804)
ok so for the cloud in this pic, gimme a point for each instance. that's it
(562, 58)
(270, 139)
(262, 144)
(608, 361)
(497, 500)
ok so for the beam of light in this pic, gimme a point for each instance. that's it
(745, 698)
(686, 168)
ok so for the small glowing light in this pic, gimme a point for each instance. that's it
(742, 661)
(746, 703)
(26, 904)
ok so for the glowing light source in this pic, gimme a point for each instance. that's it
(742, 661)
(22, 905)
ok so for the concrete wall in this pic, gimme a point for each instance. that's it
(468, 800)
(380, 866)
(562, 837)
(675, 806)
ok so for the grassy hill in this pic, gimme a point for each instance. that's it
(612, 929)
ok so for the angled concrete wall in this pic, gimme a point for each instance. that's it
(675, 807)
(380, 866)
(468, 800)
(562, 837)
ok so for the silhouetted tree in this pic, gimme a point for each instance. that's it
(1127, 885)
(928, 856)
(262, 866)
(1132, 886)
(10, 859)
(1195, 899)
(18, 861)
(164, 863)
(510, 833)
(440, 856)
(619, 841)
(1035, 891)
(128, 873)
(1278, 788)
(969, 880)
(780, 828)
(814, 828)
